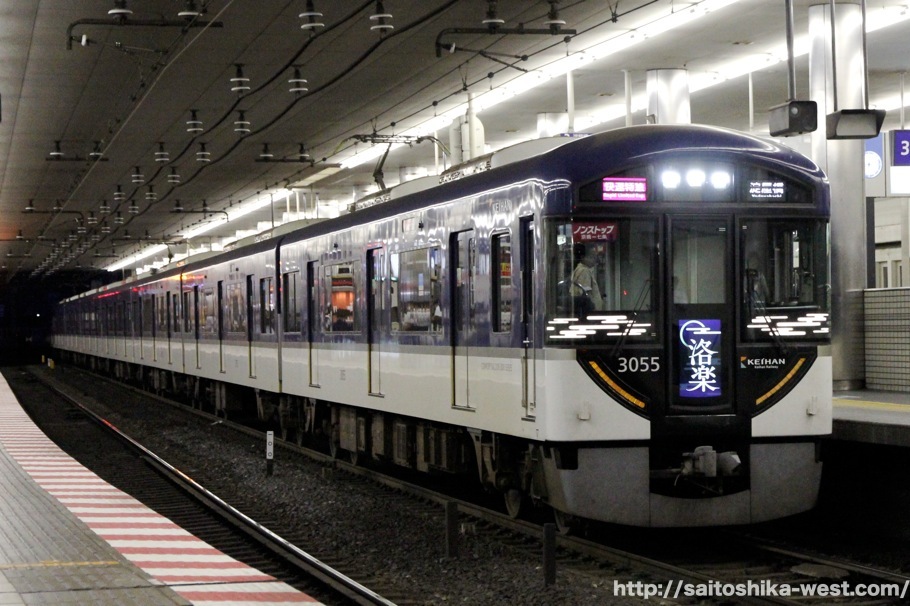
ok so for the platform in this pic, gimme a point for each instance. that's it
(68, 537)
(874, 417)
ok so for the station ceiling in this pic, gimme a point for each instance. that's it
(93, 92)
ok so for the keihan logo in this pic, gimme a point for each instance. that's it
(761, 363)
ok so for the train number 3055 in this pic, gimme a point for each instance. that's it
(639, 364)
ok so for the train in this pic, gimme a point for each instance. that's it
(629, 327)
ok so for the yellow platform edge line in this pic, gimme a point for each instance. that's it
(850, 403)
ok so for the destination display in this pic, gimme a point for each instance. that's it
(625, 189)
(767, 190)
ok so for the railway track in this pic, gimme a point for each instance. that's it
(722, 567)
(110, 454)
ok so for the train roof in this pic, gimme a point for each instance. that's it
(574, 159)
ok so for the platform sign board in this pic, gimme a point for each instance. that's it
(900, 147)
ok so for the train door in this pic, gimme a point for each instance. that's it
(157, 310)
(374, 318)
(196, 329)
(221, 325)
(463, 253)
(136, 327)
(700, 317)
(528, 355)
(249, 309)
(170, 311)
(312, 322)
(188, 328)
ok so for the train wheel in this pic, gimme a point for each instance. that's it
(354, 457)
(514, 500)
(300, 436)
(566, 523)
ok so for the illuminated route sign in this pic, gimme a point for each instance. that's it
(603, 231)
(699, 368)
(625, 189)
(767, 190)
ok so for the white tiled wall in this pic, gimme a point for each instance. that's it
(887, 328)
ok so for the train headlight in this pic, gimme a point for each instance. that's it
(720, 179)
(695, 177)
(670, 179)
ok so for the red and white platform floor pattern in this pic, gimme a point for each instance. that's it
(194, 569)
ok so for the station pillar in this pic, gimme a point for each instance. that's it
(842, 161)
(668, 96)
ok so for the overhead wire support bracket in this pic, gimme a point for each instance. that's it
(206, 212)
(497, 31)
(125, 22)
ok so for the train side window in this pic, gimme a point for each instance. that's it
(339, 308)
(175, 310)
(187, 317)
(234, 311)
(266, 306)
(161, 315)
(209, 305)
(148, 315)
(416, 290)
(136, 318)
(290, 301)
(502, 282)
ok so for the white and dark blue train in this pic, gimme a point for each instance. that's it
(629, 327)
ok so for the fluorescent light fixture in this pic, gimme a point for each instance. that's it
(318, 173)
(534, 78)
(876, 19)
(135, 258)
(204, 228)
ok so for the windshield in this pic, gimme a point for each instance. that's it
(786, 288)
(601, 283)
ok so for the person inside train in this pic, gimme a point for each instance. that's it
(756, 286)
(584, 280)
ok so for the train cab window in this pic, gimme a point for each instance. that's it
(785, 292)
(416, 290)
(502, 282)
(339, 306)
(234, 311)
(290, 301)
(601, 271)
(266, 306)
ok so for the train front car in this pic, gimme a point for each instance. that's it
(686, 330)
